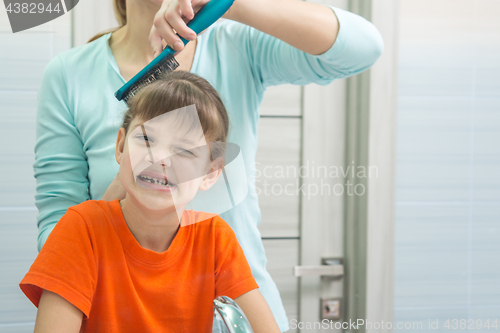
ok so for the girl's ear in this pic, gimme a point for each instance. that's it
(120, 145)
(212, 174)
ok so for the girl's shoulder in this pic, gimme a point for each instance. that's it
(199, 219)
(193, 217)
(94, 212)
(207, 224)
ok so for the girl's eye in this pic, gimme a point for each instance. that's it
(186, 152)
(145, 138)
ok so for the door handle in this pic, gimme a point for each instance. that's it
(330, 267)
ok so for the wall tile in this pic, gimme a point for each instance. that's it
(486, 150)
(485, 251)
(484, 319)
(17, 253)
(428, 318)
(18, 328)
(21, 68)
(17, 142)
(433, 70)
(431, 256)
(433, 148)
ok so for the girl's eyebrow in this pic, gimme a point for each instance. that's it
(186, 141)
(180, 139)
(144, 126)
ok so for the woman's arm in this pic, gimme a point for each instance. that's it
(61, 168)
(309, 27)
(282, 39)
(257, 311)
(55, 314)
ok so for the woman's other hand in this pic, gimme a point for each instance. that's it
(173, 17)
(114, 191)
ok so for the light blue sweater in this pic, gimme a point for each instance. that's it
(78, 116)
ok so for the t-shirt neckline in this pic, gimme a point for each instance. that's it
(139, 253)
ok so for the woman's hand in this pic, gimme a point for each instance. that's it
(173, 17)
(309, 27)
(114, 191)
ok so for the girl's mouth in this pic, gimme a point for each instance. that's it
(155, 183)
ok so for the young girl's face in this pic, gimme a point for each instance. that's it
(166, 160)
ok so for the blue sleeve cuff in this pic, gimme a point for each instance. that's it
(358, 44)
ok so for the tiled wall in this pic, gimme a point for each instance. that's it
(23, 56)
(448, 164)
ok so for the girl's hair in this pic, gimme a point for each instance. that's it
(178, 89)
(120, 8)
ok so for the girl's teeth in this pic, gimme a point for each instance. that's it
(154, 181)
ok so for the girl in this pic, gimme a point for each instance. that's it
(133, 265)
(262, 43)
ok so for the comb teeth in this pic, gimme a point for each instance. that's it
(165, 66)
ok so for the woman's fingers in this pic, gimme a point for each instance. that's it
(170, 23)
(175, 21)
(166, 32)
(168, 18)
(155, 37)
(155, 41)
(186, 9)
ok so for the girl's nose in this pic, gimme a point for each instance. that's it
(155, 156)
(166, 162)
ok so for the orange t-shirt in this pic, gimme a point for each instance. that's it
(92, 260)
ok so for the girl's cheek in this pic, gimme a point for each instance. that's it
(137, 155)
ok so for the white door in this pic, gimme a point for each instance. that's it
(302, 133)
(346, 126)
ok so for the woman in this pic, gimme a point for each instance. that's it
(263, 43)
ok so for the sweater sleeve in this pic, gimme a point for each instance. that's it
(273, 62)
(60, 165)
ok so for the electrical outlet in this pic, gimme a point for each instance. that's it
(330, 308)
